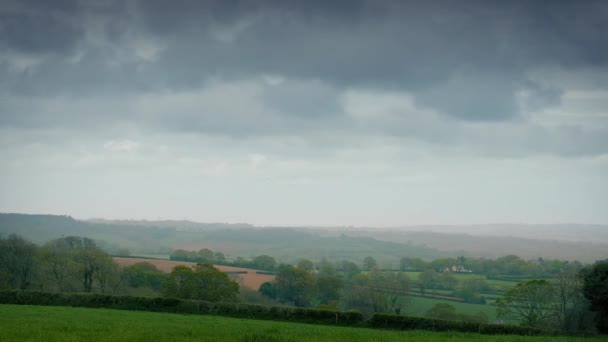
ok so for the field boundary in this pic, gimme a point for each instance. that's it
(254, 311)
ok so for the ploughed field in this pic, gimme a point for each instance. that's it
(49, 323)
(250, 279)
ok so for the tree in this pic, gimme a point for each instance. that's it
(349, 269)
(412, 264)
(326, 267)
(595, 289)
(16, 261)
(447, 281)
(56, 265)
(204, 282)
(264, 262)
(306, 264)
(144, 275)
(529, 302)
(470, 290)
(448, 312)
(268, 289)
(570, 306)
(328, 287)
(205, 255)
(295, 286)
(428, 279)
(369, 263)
(377, 292)
(109, 276)
(442, 311)
(219, 257)
(88, 259)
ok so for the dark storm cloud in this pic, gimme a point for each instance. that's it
(467, 59)
(39, 27)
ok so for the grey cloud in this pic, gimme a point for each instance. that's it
(38, 29)
(468, 60)
(419, 47)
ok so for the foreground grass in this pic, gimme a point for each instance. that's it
(48, 323)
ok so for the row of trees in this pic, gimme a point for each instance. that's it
(343, 285)
(261, 262)
(571, 302)
(510, 265)
(77, 264)
(65, 264)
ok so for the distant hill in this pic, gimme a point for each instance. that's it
(334, 243)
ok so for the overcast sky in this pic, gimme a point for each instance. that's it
(366, 113)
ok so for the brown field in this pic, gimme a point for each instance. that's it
(249, 280)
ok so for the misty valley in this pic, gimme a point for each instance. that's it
(400, 272)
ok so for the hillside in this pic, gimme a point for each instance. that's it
(289, 244)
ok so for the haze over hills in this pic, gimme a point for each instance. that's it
(585, 243)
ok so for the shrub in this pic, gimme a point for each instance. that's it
(387, 321)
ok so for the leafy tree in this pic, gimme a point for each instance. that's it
(377, 292)
(268, 289)
(447, 281)
(219, 257)
(144, 274)
(56, 265)
(570, 306)
(428, 279)
(306, 264)
(349, 269)
(412, 264)
(326, 267)
(529, 302)
(205, 255)
(470, 290)
(448, 312)
(204, 282)
(369, 263)
(442, 311)
(16, 261)
(595, 289)
(328, 287)
(183, 255)
(109, 277)
(295, 286)
(88, 259)
(264, 262)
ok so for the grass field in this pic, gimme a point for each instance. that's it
(419, 305)
(47, 323)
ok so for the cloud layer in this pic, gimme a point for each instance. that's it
(223, 88)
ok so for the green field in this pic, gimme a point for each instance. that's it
(412, 275)
(417, 306)
(46, 323)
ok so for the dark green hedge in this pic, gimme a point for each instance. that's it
(174, 305)
(387, 321)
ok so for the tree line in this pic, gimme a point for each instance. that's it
(260, 262)
(510, 266)
(569, 301)
(77, 264)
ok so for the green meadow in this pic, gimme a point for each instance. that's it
(46, 323)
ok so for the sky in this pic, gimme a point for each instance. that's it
(325, 113)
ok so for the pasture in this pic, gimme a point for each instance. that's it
(47, 323)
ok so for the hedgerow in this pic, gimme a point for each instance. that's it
(241, 310)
